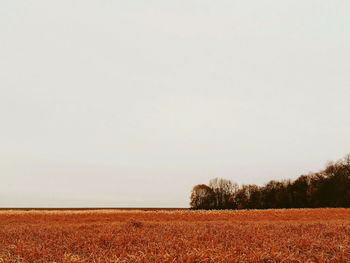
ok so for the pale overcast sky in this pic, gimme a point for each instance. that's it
(131, 103)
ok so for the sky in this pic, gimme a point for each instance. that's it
(132, 103)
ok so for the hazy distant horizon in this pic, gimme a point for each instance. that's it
(130, 104)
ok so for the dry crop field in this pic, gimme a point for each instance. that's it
(305, 235)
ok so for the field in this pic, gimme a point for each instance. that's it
(305, 235)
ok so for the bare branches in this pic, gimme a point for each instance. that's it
(327, 188)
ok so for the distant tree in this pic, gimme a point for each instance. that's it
(335, 189)
(224, 191)
(241, 198)
(254, 197)
(299, 192)
(328, 188)
(202, 197)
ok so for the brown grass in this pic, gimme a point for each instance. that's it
(306, 235)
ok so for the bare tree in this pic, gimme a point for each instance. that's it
(329, 187)
(224, 191)
(202, 197)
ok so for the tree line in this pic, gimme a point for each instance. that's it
(329, 187)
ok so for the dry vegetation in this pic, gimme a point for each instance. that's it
(310, 235)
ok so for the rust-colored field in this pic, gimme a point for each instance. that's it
(306, 235)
